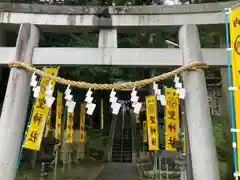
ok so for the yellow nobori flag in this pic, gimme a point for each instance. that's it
(234, 20)
(48, 122)
(53, 72)
(40, 114)
(58, 115)
(82, 123)
(69, 129)
(172, 119)
(152, 123)
(145, 131)
(137, 119)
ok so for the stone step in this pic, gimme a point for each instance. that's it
(123, 157)
(123, 160)
(118, 153)
(123, 152)
(123, 139)
(180, 162)
(122, 145)
(119, 157)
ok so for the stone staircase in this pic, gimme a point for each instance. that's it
(122, 143)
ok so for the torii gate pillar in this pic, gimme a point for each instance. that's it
(202, 146)
(15, 104)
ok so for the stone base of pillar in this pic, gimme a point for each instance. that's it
(81, 151)
(143, 156)
(64, 155)
(134, 158)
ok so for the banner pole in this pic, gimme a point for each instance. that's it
(230, 92)
(102, 117)
(25, 135)
(56, 164)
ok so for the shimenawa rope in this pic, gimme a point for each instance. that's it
(85, 85)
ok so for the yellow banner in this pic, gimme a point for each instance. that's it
(152, 122)
(48, 122)
(58, 115)
(69, 129)
(137, 119)
(172, 119)
(51, 71)
(40, 114)
(234, 20)
(82, 123)
(145, 131)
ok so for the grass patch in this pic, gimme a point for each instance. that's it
(33, 174)
(222, 170)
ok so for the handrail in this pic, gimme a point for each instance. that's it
(111, 137)
(133, 130)
(122, 129)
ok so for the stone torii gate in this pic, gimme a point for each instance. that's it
(31, 18)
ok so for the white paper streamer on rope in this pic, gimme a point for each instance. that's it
(90, 106)
(36, 91)
(155, 87)
(33, 84)
(156, 90)
(113, 99)
(68, 96)
(134, 99)
(70, 103)
(49, 101)
(116, 108)
(34, 81)
(48, 95)
(182, 93)
(88, 99)
(71, 106)
(114, 102)
(178, 85)
(162, 100)
(68, 90)
(48, 89)
(137, 108)
(158, 93)
(176, 78)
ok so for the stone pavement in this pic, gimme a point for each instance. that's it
(119, 171)
(91, 171)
